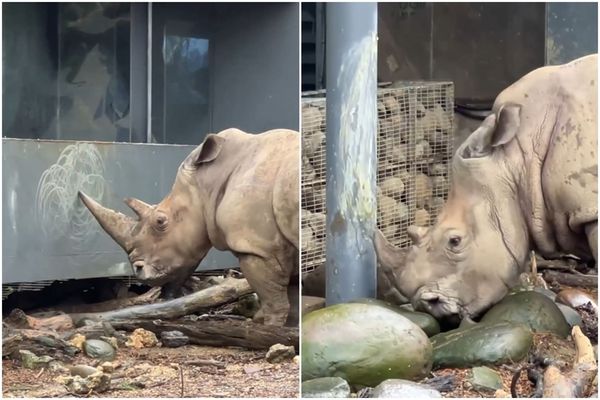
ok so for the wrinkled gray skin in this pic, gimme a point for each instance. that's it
(236, 192)
(525, 179)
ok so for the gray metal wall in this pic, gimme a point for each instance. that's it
(571, 31)
(46, 231)
(256, 81)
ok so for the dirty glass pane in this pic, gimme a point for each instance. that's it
(181, 99)
(66, 71)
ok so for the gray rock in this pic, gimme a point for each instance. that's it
(485, 379)
(31, 361)
(173, 339)
(279, 353)
(82, 370)
(99, 349)
(573, 318)
(363, 343)
(329, 387)
(400, 388)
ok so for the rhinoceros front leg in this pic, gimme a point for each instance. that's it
(591, 231)
(269, 281)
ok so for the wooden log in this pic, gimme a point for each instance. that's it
(576, 382)
(146, 298)
(229, 290)
(18, 319)
(246, 334)
(587, 281)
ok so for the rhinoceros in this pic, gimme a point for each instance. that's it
(236, 192)
(525, 180)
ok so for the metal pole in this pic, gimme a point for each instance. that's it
(351, 150)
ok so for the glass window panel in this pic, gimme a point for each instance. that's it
(181, 85)
(66, 71)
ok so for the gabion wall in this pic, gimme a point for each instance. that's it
(414, 149)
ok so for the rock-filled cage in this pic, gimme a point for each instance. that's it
(414, 151)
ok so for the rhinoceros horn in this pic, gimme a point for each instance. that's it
(117, 225)
(138, 206)
(390, 258)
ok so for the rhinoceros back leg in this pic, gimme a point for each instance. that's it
(591, 231)
(270, 282)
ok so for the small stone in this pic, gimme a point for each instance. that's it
(296, 359)
(312, 303)
(329, 387)
(108, 367)
(251, 369)
(485, 379)
(95, 348)
(502, 394)
(141, 338)
(573, 318)
(279, 353)
(421, 217)
(82, 370)
(110, 340)
(400, 388)
(31, 361)
(174, 339)
(57, 366)
(98, 382)
(77, 341)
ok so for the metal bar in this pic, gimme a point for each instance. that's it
(139, 73)
(351, 73)
(149, 79)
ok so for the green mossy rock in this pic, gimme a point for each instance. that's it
(425, 321)
(481, 344)
(531, 308)
(364, 344)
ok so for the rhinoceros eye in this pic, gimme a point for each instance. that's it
(161, 222)
(454, 241)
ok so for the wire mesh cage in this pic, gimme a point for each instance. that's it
(414, 151)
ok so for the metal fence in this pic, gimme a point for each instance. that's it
(414, 149)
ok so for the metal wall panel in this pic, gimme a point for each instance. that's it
(47, 232)
(571, 31)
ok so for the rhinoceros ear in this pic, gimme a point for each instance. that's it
(208, 151)
(495, 130)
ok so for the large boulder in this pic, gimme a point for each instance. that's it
(363, 343)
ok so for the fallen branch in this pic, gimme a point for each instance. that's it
(244, 334)
(587, 281)
(18, 319)
(576, 382)
(229, 290)
(204, 363)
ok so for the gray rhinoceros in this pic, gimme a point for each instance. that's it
(236, 192)
(525, 179)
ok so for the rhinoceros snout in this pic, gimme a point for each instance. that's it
(437, 304)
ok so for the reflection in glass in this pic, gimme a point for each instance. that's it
(66, 71)
(186, 92)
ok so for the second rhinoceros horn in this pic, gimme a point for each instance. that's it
(117, 225)
(138, 206)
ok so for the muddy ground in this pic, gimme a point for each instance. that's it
(155, 372)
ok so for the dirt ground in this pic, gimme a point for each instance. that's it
(154, 372)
